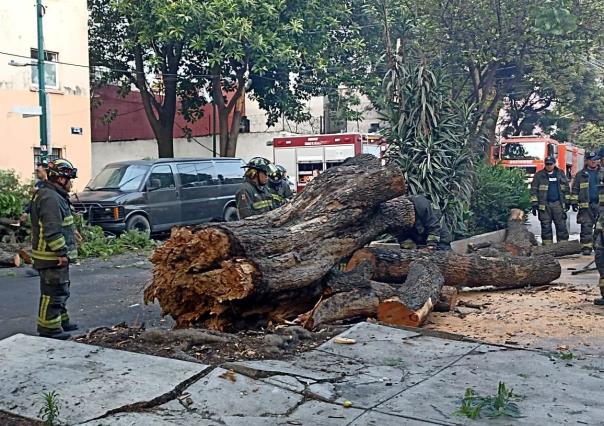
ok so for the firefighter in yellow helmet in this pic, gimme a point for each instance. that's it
(54, 247)
(254, 197)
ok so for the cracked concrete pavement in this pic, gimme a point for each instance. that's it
(390, 376)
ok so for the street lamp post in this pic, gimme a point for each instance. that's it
(40, 10)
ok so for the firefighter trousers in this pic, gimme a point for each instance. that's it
(599, 258)
(554, 212)
(54, 292)
(587, 218)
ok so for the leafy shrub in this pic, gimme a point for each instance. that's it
(13, 194)
(95, 243)
(496, 191)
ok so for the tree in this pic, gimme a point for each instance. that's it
(143, 43)
(591, 137)
(279, 52)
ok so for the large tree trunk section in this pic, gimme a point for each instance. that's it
(519, 241)
(213, 273)
(562, 248)
(392, 265)
(416, 300)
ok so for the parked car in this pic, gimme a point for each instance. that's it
(155, 195)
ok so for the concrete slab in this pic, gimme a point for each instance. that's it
(90, 380)
(374, 418)
(552, 392)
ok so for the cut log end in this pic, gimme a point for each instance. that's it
(393, 311)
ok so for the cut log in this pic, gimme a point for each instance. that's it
(562, 248)
(210, 275)
(518, 239)
(392, 265)
(9, 260)
(448, 299)
(416, 299)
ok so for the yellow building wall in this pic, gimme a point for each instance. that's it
(66, 33)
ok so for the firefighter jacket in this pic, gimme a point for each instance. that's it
(52, 227)
(427, 229)
(253, 199)
(281, 191)
(580, 189)
(540, 186)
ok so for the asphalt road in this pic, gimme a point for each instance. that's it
(103, 293)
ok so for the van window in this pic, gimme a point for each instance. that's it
(230, 172)
(162, 175)
(206, 174)
(188, 175)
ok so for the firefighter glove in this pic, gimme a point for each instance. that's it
(566, 207)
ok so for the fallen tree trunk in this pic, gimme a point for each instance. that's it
(392, 265)
(416, 298)
(214, 274)
(561, 248)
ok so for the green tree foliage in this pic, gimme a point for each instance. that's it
(496, 191)
(280, 52)
(13, 194)
(591, 137)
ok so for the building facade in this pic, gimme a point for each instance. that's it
(67, 84)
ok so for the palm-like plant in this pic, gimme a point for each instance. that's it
(429, 138)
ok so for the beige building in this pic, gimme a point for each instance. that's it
(66, 41)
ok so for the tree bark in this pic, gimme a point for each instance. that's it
(217, 273)
(416, 299)
(9, 260)
(561, 248)
(448, 299)
(392, 265)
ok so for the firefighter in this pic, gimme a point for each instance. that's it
(254, 197)
(550, 199)
(54, 248)
(427, 231)
(585, 198)
(279, 186)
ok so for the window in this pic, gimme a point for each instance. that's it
(119, 177)
(161, 177)
(56, 153)
(188, 175)
(205, 173)
(50, 68)
(230, 172)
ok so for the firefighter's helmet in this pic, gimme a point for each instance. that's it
(261, 164)
(61, 168)
(278, 173)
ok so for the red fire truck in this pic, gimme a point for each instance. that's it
(529, 153)
(305, 156)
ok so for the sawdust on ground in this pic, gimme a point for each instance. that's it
(560, 317)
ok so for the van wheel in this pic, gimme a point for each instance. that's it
(231, 214)
(138, 223)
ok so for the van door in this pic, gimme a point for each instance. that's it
(209, 195)
(199, 191)
(162, 198)
(230, 175)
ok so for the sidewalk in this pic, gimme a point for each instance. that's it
(390, 376)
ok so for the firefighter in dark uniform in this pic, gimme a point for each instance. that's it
(279, 186)
(254, 197)
(585, 198)
(427, 231)
(54, 247)
(550, 199)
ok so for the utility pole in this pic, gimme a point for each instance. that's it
(40, 10)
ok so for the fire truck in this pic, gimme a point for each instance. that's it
(305, 156)
(529, 153)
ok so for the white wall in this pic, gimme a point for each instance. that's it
(249, 145)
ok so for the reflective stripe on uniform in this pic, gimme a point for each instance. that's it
(42, 321)
(584, 185)
(57, 244)
(543, 187)
(44, 255)
(542, 207)
(41, 240)
(584, 205)
(601, 283)
(534, 199)
(433, 238)
(262, 204)
(277, 198)
(68, 221)
(548, 242)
